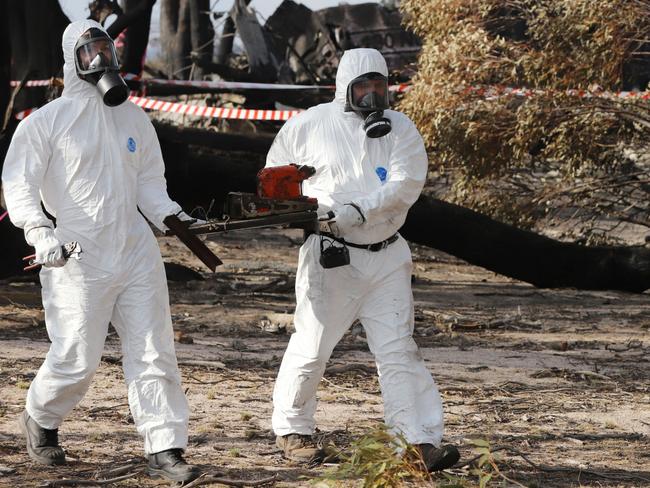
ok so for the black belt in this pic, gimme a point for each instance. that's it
(377, 246)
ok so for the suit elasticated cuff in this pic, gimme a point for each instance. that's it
(358, 209)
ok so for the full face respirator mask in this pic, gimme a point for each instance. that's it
(96, 62)
(367, 95)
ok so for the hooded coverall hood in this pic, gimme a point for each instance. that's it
(357, 62)
(75, 87)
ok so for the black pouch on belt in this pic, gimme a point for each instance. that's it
(331, 255)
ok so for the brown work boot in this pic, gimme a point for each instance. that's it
(300, 448)
(42, 444)
(438, 458)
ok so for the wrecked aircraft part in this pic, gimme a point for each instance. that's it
(374, 26)
(259, 63)
(262, 62)
(314, 41)
(298, 45)
(309, 49)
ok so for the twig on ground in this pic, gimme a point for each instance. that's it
(275, 283)
(476, 458)
(561, 469)
(549, 469)
(197, 362)
(209, 478)
(109, 407)
(591, 374)
(232, 378)
(82, 482)
(6, 470)
(120, 470)
(208, 382)
(294, 242)
(334, 385)
(112, 359)
(345, 368)
(347, 399)
(15, 304)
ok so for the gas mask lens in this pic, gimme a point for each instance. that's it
(96, 63)
(368, 96)
(368, 92)
(97, 54)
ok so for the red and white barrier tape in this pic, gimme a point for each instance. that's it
(226, 85)
(199, 110)
(254, 114)
(216, 112)
(25, 113)
(400, 88)
(32, 83)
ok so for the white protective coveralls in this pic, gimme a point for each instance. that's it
(94, 166)
(376, 286)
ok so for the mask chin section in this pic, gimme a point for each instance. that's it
(113, 89)
(376, 125)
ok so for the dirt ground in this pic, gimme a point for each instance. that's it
(556, 380)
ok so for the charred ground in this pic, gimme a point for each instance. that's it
(559, 376)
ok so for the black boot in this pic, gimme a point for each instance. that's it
(438, 458)
(42, 444)
(171, 465)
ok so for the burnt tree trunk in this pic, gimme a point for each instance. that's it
(30, 48)
(526, 256)
(201, 36)
(5, 58)
(186, 33)
(226, 41)
(32, 27)
(135, 24)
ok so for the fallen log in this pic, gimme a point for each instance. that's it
(14, 248)
(225, 141)
(524, 255)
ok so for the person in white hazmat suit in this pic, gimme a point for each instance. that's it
(94, 159)
(371, 166)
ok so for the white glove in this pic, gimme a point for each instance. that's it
(49, 251)
(345, 218)
(183, 217)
